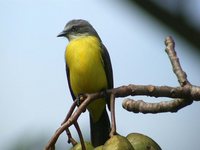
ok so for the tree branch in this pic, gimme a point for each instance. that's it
(184, 96)
(181, 75)
(186, 93)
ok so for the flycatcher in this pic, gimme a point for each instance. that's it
(89, 70)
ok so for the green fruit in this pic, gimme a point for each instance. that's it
(99, 148)
(117, 142)
(78, 146)
(142, 142)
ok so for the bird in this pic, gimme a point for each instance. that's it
(89, 70)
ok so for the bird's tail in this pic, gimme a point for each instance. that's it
(100, 130)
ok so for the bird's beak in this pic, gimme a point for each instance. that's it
(63, 33)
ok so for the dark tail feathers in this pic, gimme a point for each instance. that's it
(100, 130)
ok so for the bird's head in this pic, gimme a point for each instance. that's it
(77, 28)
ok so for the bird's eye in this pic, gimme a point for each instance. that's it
(74, 29)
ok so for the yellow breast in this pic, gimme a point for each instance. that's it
(87, 74)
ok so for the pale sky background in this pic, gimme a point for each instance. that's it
(34, 95)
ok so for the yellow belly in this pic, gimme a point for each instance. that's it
(87, 74)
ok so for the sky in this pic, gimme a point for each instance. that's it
(34, 95)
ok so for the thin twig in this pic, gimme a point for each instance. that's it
(181, 75)
(73, 118)
(80, 135)
(70, 138)
(70, 111)
(112, 110)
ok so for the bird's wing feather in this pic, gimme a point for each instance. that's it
(107, 66)
(68, 80)
(108, 70)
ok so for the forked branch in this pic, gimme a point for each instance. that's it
(182, 96)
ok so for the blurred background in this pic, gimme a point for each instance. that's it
(34, 95)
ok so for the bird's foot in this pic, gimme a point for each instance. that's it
(80, 98)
